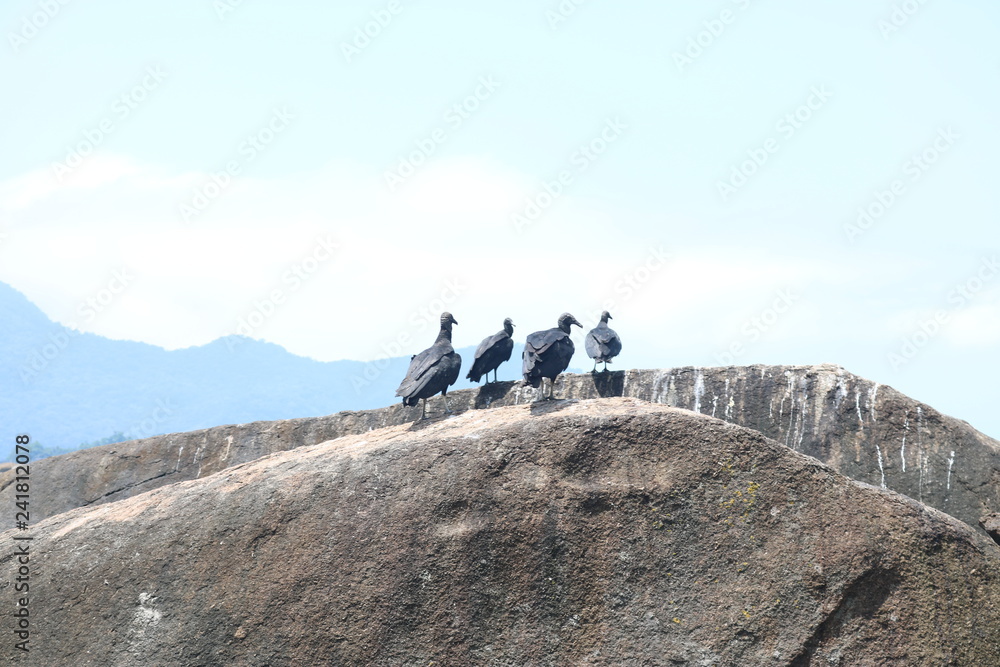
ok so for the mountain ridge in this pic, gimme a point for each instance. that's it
(68, 387)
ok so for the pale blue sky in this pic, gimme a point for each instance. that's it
(889, 96)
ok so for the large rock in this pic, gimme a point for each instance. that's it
(991, 524)
(572, 533)
(864, 430)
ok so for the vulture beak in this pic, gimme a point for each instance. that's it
(576, 323)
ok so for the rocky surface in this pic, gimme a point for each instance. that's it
(592, 532)
(991, 524)
(865, 430)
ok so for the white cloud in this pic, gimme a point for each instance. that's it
(460, 187)
(399, 252)
(975, 326)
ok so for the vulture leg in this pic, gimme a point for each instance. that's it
(595, 366)
(446, 407)
(423, 408)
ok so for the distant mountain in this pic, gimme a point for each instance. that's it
(66, 388)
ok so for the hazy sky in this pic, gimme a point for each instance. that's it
(334, 174)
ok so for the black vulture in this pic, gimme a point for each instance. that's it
(602, 343)
(547, 353)
(492, 352)
(433, 370)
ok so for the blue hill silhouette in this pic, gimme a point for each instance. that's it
(67, 388)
